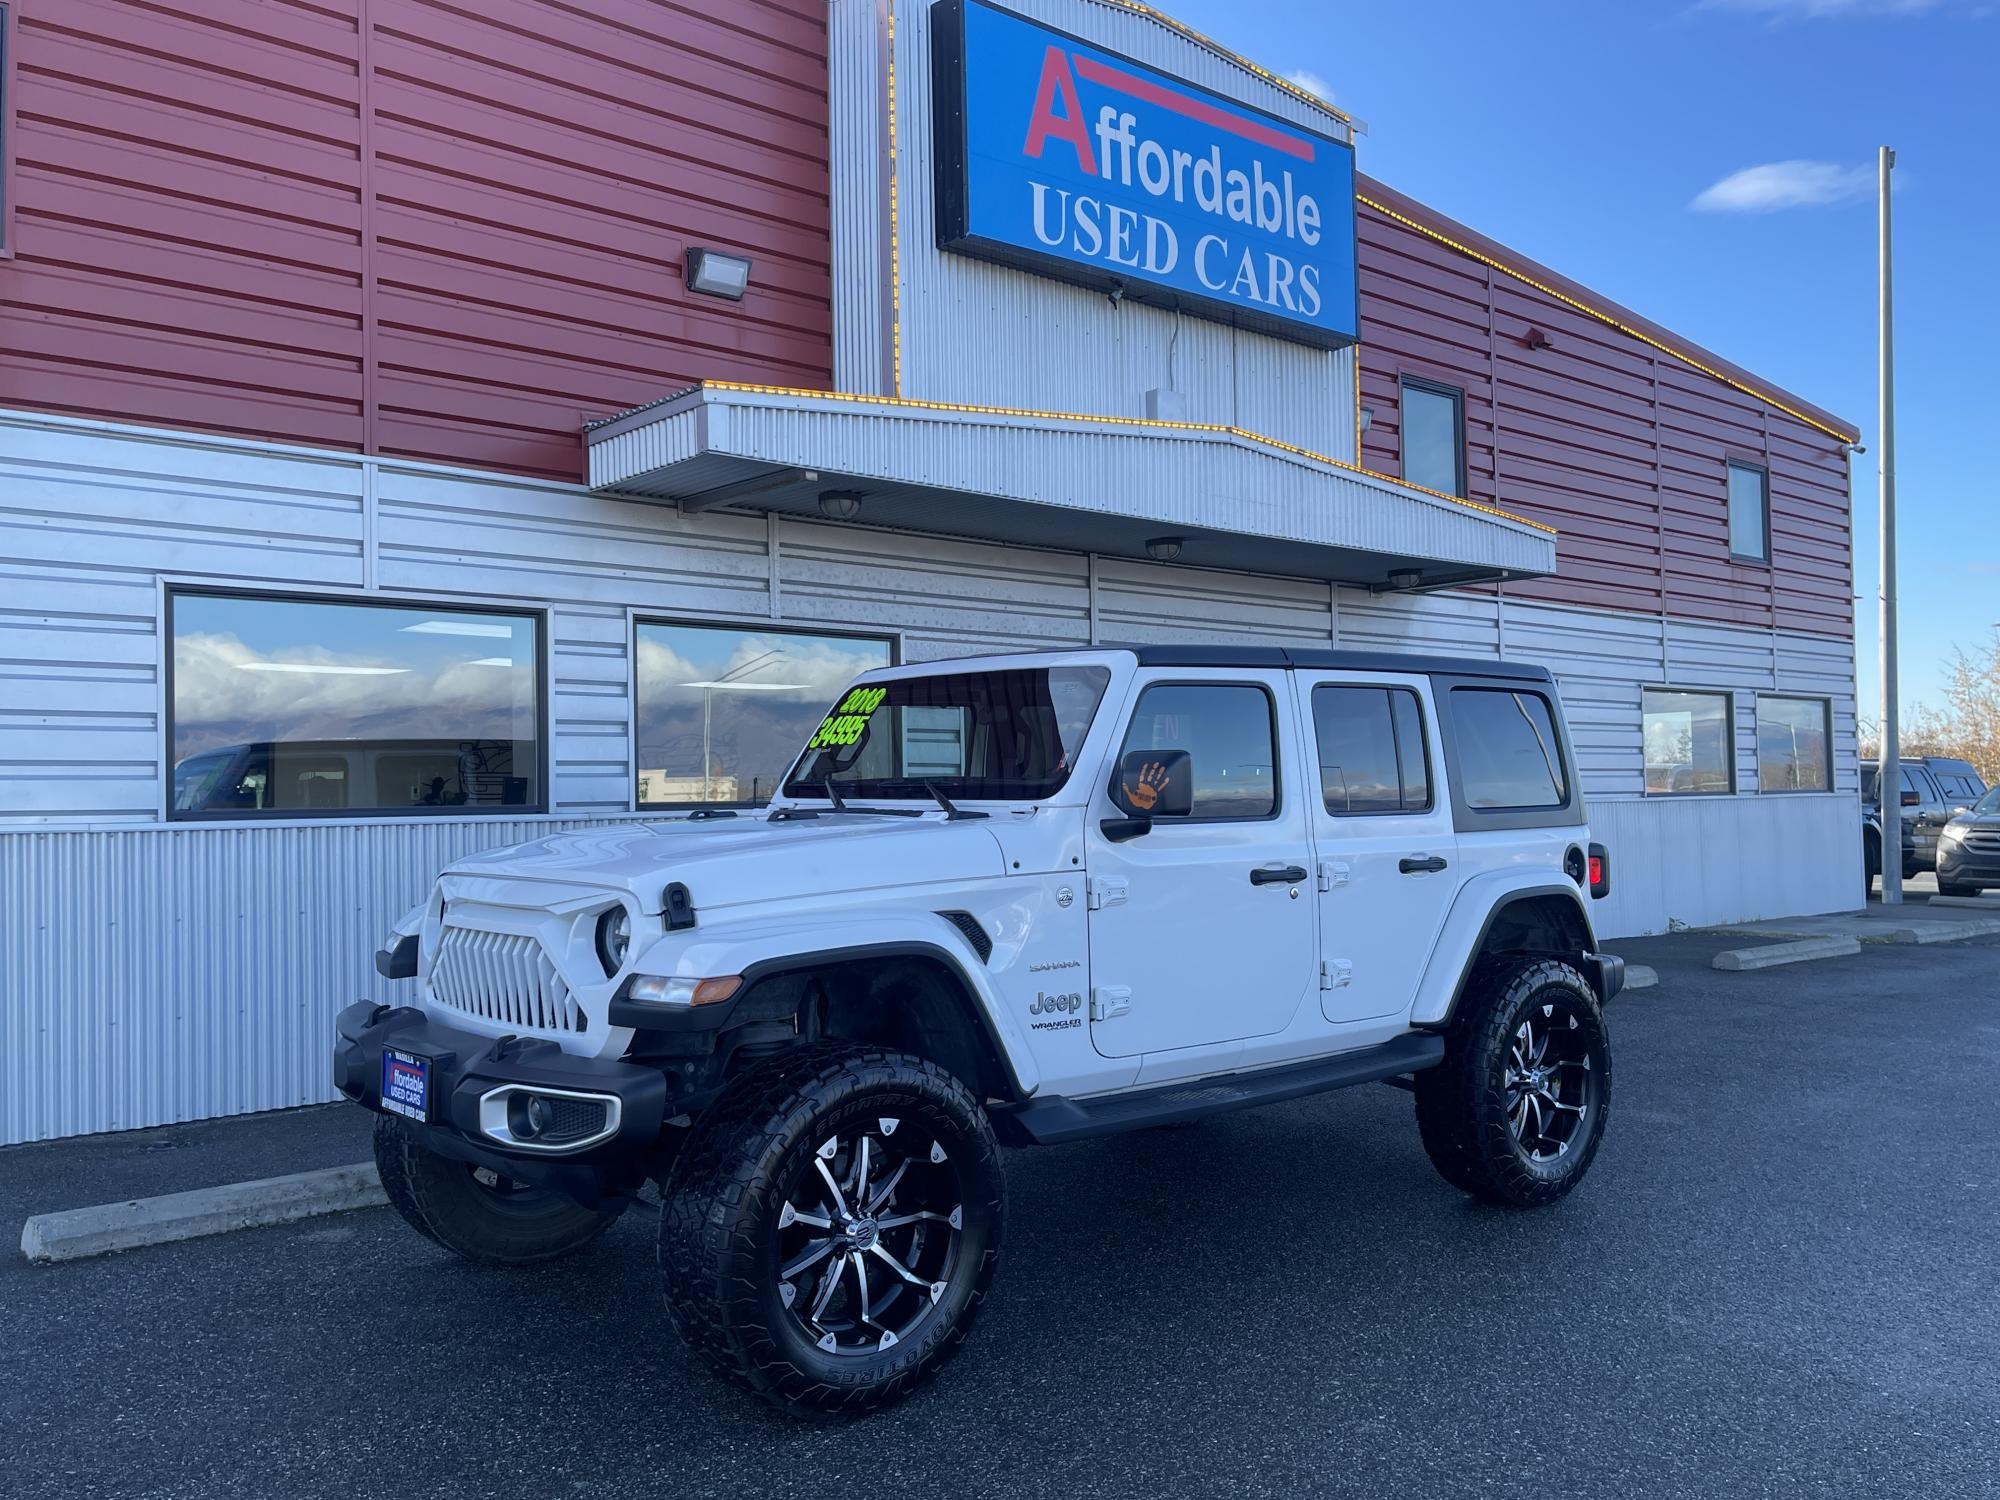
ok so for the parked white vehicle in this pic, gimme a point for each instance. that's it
(1021, 899)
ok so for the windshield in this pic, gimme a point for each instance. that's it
(1990, 803)
(195, 779)
(997, 734)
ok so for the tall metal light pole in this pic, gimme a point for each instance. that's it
(1890, 780)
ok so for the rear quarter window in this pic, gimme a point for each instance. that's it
(1510, 757)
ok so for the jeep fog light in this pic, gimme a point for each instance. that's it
(614, 939)
(657, 989)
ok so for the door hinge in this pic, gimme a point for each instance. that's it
(1106, 891)
(1108, 1000)
(1335, 973)
(1332, 872)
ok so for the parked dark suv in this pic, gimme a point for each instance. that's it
(1935, 789)
(1968, 860)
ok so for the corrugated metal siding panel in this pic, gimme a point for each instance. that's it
(449, 233)
(858, 150)
(950, 598)
(1617, 446)
(206, 975)
(1062, 348)
(1679, 862)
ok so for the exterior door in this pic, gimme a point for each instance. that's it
(1385, 851)
(1201, 927)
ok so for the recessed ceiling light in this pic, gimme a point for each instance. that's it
(318, 669)
(459, 627)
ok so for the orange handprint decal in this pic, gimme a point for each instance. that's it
(1145, 793)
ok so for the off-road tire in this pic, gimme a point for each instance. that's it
(1871, 856)
(748, 1156)
(1463, 1104)
(445, 1202)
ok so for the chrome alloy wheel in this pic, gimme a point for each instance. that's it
(868, 1239)
(1550, 1086)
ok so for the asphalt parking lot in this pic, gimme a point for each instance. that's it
(1782, 1277)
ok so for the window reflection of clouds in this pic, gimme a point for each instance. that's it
(437, 703)
(751, 696)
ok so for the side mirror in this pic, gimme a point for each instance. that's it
(1155, 784)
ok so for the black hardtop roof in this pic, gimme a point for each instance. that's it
(1317, 660)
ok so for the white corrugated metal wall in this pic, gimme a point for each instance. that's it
(1075, 350)
(151, 973)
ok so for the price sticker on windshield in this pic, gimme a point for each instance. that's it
(849, 719)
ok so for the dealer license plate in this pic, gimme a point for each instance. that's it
(406, 1084)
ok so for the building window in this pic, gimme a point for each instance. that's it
(723, 710)
(308, 707)
(1794, 744)
(1372, 757)
(1749, 513)
(1689, 743)
(1226, 734)
(1509, 754)
(1433, 433)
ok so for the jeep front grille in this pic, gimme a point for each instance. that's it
(503, 977)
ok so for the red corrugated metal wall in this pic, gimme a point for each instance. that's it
(1620, 446)
(426, 229)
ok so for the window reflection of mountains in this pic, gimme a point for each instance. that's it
(330, 774)
(751, 739)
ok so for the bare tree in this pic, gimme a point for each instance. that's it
(1967, 727)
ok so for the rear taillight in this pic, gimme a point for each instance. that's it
(1600, 871)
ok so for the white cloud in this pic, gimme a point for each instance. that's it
(1311, 82)
(1785, 184)
(225, 693)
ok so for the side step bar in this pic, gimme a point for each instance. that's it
(1051, 1121)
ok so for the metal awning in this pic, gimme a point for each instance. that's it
(1086, 484)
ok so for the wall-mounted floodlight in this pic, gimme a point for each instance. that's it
(1406, 578)
(840, 505)
(1165, 548)
(717, 273)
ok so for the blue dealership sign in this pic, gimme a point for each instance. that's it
(1064, 159)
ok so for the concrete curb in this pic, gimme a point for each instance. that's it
(1773, 954)
(79, 1233)
(1935, 932)
(1639, 977)
(1969, 903)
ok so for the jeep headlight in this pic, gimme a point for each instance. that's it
(677, 990)
(614, 939)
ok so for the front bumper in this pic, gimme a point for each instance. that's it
(1963, 866)
(466, 1068)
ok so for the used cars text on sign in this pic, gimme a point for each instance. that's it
(1059, 157)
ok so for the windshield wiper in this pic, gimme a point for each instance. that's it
(838, 804)
(952, 814)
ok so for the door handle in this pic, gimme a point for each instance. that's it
(1422, 865)
(1278, 875)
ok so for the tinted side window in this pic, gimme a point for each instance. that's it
(1226, 730)
(1371, 750)
(1509, 755)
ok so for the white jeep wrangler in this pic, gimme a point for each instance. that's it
(1021, 899)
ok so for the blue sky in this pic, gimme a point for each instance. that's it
(1583, 134)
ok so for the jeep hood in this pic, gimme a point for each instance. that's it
(729, 861)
